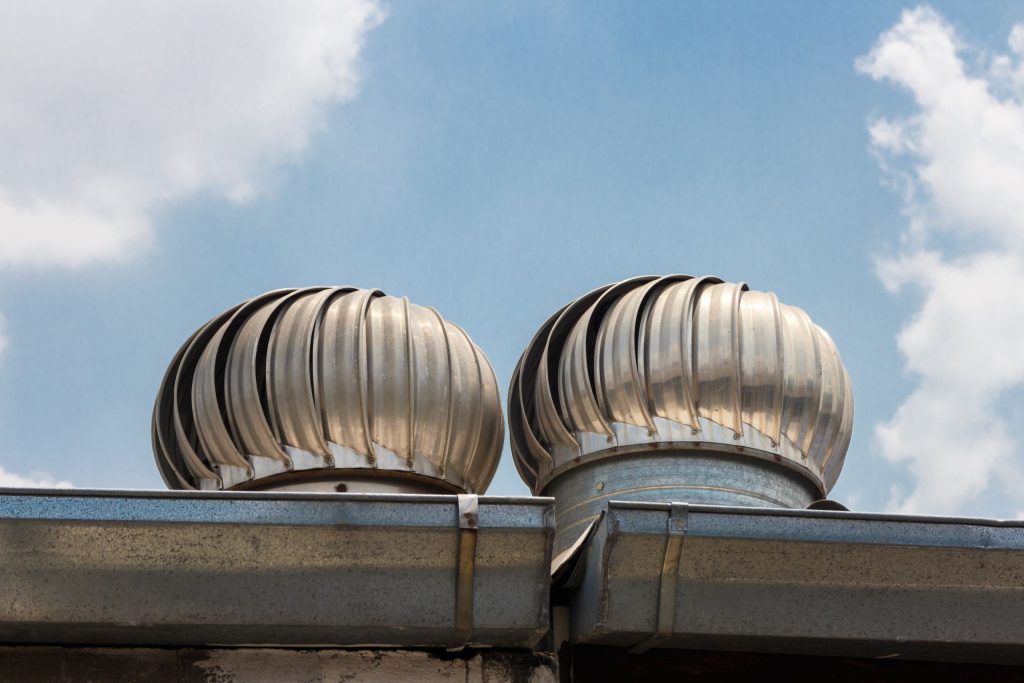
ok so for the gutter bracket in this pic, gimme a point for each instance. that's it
(677, 522)
(469, 506)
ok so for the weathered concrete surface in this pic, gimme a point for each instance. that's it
(30, 664)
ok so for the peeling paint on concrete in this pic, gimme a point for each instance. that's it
(271, 666)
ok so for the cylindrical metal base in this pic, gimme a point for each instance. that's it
(691, 476)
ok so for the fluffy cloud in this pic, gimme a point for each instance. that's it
(959, 162)
(110, 109)
(34, 480)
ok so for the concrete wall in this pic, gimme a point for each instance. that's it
(257, 665)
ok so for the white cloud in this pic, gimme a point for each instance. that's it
(959, 163)
(34, 480)
(110, 109)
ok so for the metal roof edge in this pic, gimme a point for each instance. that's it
(295, 569)
(803, 582)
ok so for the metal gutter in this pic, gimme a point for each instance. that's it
(802, 582)
(204, 568)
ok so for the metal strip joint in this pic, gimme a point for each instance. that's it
(469, 505)
(677, 522)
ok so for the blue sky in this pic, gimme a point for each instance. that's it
(495, 160)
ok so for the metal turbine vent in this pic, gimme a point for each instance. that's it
(329, 388)
(716, 394)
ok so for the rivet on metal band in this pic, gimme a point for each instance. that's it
(677, 520)
(468, 519)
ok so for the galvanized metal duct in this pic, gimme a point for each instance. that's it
(678, 388)
(312, 388)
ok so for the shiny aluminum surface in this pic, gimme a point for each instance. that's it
(680, 362)
(323, 379)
